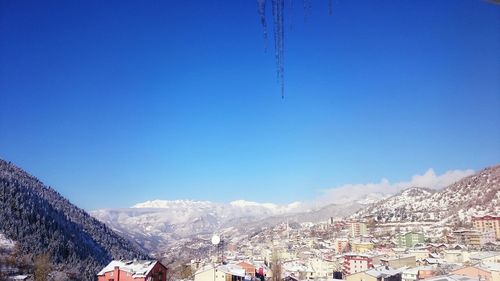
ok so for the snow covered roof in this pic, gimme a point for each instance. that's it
(415, 270)
(434, 261)
(232, 269)
(138, 268)
(451, 278)
(493, 266)
(484, 255)
(383, 272)
(395, 258)
(18, 277)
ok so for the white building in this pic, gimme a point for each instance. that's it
(228, 272)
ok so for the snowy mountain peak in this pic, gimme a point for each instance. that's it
(167, 204)
(270, 206)
(416, 191)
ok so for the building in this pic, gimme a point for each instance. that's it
(418, 273)
(409, 239)
(474, 237)
(341, 245)
(249, 268)
(227, 272)
(398, 262)
(357, 228)
(376, 274)
(136, 270)
(486, 272)
(323, 269)
(453, 278)
(419, 254)
(486, 223)
(362, 247)
(354, 263)
(456, 256)
(469, 237)
(485, 257)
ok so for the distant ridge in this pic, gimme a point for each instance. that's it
(40, 220)
(473, 195)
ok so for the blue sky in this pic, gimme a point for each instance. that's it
(118, 102)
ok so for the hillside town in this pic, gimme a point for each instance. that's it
(357, 251)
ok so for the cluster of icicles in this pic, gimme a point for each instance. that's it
(278, 10)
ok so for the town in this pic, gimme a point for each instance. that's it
(352, 250)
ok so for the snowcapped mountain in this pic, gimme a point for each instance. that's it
(473, 195)
(249, 208)
(160, 222)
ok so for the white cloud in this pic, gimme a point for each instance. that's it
(373, 191)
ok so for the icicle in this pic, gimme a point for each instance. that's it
(261, 7)
(279, 32)
(307, 8)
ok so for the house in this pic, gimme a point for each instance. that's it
(226, 272)
(418, 273)
(135, 270)
(376, 274)
(436, 248)
(410, 274)
(249, 268)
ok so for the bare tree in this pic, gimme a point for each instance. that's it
(276, 266)
(42, 267)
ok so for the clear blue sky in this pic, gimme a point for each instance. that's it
(118, 102)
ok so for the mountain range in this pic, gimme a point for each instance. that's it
(160, 224)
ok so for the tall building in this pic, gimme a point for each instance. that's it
(473, 237)
(357, 228)
(487, 223)
(356, 263)
(409, 239)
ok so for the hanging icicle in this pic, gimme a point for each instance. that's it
(261, 7)
(278, 10)
(279, 42)
(307, 8)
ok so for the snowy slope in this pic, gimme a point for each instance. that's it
(474, 195)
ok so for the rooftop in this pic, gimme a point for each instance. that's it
(138, 268)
